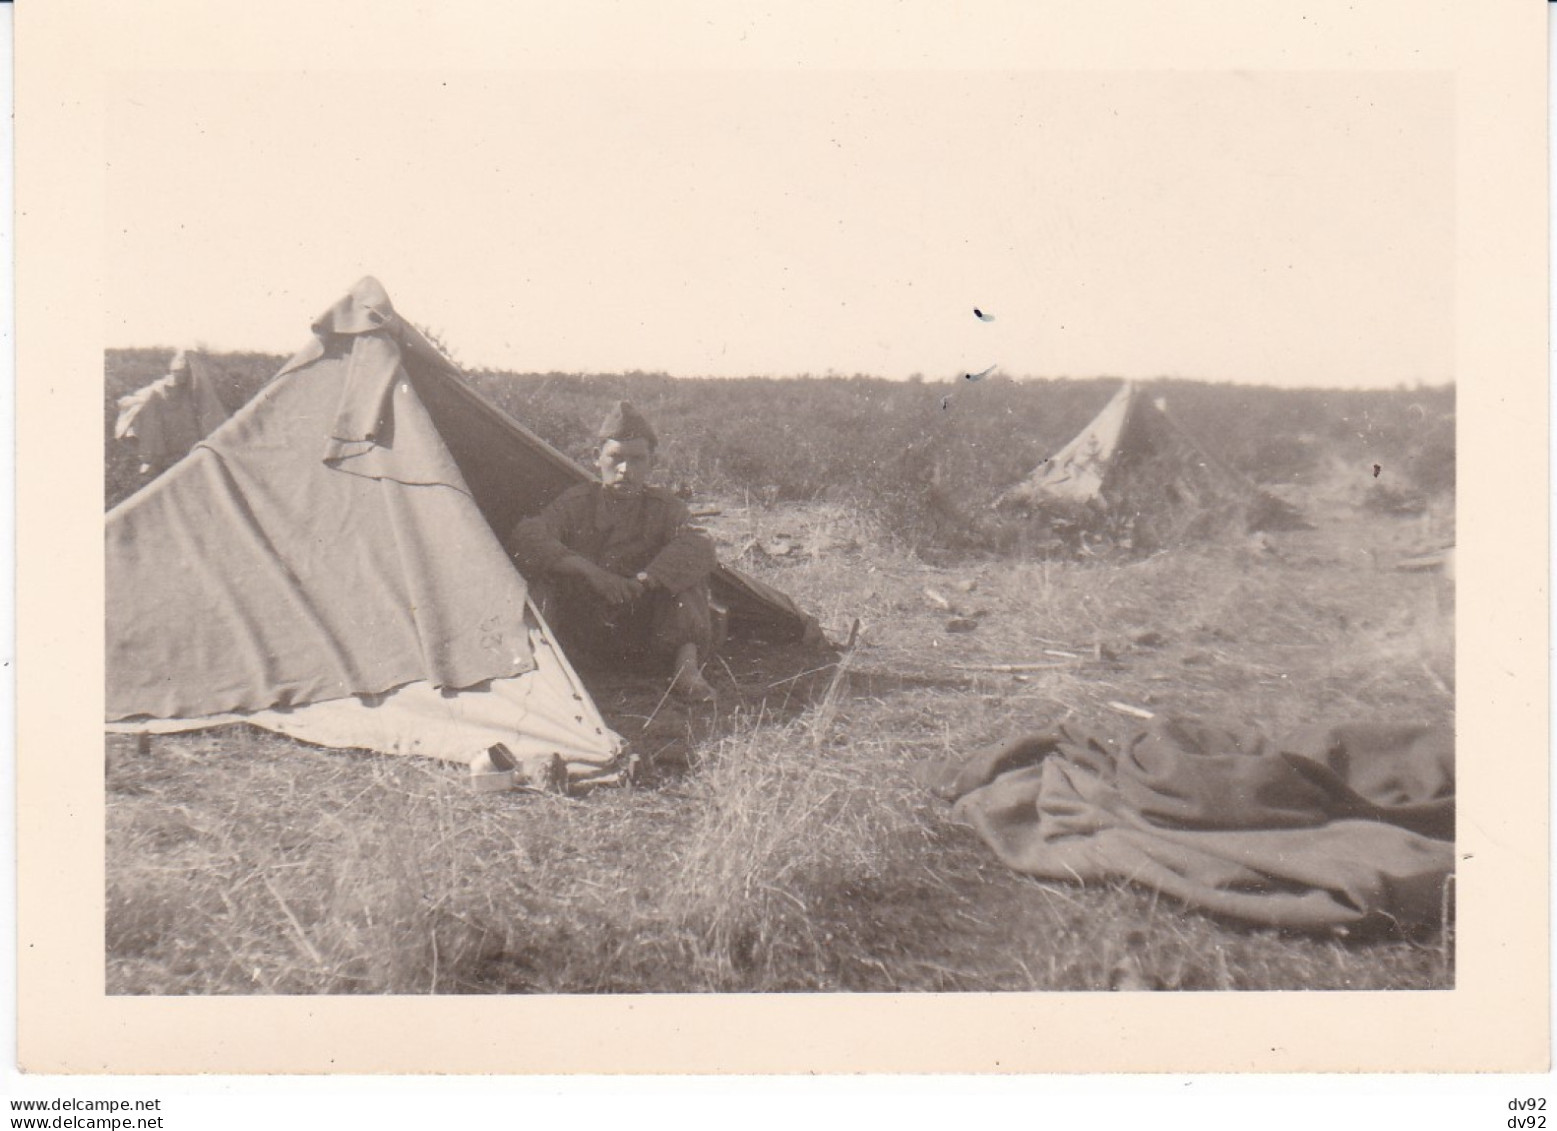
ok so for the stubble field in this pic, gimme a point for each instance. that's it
(786, 840)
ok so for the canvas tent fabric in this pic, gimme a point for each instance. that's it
(325, 564)
(318, 565)
(513, 474)
(538, 715)
(292, 579)
(1134, 476)
(166, 418)
(1349, 826)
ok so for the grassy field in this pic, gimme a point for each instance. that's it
(875, 445)
(786, 840)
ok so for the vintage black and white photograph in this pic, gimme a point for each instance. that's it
(741, 532)
(719, 540)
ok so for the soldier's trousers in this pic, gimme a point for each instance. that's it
(646, 633)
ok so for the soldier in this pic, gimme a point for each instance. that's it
(621, 574)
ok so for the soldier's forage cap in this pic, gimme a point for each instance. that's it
(627, 423)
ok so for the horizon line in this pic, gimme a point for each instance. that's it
(995, 373)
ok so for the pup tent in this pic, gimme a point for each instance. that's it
(1133, 478)
(169, 416)
(327, 564)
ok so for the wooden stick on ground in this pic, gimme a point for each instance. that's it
(823, 721)
(1046, 665)
(1126, 709)
(671, 686)
(297, 928)
(794, 678)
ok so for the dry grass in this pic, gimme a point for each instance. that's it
(792, 847)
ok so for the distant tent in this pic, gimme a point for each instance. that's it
(1133, 477)
(169, 416)
(327, 564)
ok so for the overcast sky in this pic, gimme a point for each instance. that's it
(1274, 228)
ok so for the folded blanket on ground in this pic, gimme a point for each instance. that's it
(1346, 826)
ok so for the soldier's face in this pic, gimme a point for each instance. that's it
(625, 464)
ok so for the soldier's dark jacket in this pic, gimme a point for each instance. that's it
(649, 532)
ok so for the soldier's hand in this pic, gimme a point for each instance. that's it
(616, 590)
